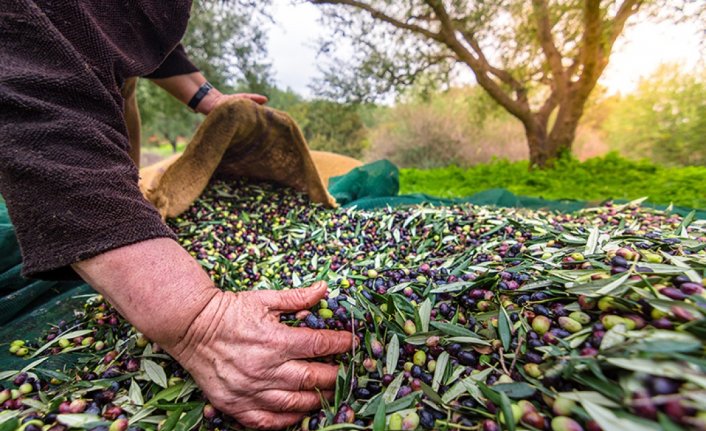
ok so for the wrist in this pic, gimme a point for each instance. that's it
(155, 284)
(209, 102)
(174, 324)
(203, 326)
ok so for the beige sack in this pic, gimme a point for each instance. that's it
(241, 139)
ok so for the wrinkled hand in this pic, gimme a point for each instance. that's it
(254, 368)
(215, 98)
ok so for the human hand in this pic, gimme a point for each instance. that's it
(215, 98)
(254, 368)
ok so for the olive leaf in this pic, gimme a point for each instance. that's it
(441, 363)
(8, 374)
(83, 421)
(599, 287)
(391, 392)
(468, 340)
(506, 408)
(9, 423)
(155, 372)
(660, 368)
(504, 328)
(172, 419)
(190, 419)
(517, 390)
(609, 421)
(451, 329)
(431, 394)
(379, 421)
(614, 337)
(393, 354)
(66, 336)
(451, 287)
(135, 394)
(425, 314)
(592, 242)
(667, 424)
(590, 396)
(169, 394)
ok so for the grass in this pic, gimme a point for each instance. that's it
(163, 150)
(597, 179)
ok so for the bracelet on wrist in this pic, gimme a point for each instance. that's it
(200, 94)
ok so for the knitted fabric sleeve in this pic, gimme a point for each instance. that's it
(176, 63)
(69, 184)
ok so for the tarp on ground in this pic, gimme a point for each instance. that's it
(28, 307)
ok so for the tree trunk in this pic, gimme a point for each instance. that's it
(546, 148)
(538, 143)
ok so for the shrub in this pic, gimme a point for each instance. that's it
(664, 119)
(596, 179)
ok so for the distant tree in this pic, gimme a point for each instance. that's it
(283, 99)
(664, 118)
(226, 41)
(336, 127)
(539, 59)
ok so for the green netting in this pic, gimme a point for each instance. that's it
(28, 307)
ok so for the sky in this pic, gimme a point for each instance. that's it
(292, 48)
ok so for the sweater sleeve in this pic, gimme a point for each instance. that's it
(176, 63)
(65, 174)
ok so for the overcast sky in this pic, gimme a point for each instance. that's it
(292, 49)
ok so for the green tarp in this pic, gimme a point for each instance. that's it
(27, 307)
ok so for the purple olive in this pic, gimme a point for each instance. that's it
(675, 410)
(644, 406)
(690, 288)
(467, 358)
(663, 386)
(673, 293)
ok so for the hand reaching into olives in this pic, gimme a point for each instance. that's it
(254, 368)
(251, 366)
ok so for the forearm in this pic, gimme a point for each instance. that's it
(154, 284)
(183, 88)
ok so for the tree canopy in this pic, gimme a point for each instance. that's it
(225, 40)
(538, 59)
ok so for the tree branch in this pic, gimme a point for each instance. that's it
(520, 107)
(546, 40)
(501, 74)
(378, 14)
(626, 10)
(547, 108)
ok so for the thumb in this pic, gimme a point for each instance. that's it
(295, 299)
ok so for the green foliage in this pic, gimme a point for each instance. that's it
(228, 45)
(335, 127)
(162, 115)
(597, 179)
(461, 126)
(327, 126)
(664, 119)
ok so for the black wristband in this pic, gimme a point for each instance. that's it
(200, 94)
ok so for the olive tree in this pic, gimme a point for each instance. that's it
(538, 59)
(227, 42)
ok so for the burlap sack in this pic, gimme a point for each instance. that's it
(238, 139)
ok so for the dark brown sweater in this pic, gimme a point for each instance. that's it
(70, 186)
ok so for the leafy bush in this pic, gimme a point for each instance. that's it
(596, 179)
(336, 127)
(461, 126)
(664, 119)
